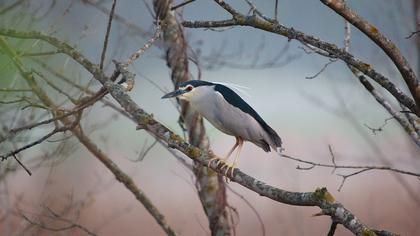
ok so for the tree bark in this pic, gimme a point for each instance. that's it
(210, 186)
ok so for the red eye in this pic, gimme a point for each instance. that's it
(189, 88)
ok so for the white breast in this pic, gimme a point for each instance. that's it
(225, 117)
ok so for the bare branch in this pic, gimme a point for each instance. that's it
(410, 125)
(412, 34)
(210, 24)
(320, 197)
(55, 87)
(181, 4)
(332, 158)
(263, 231)
(126, 180)
(332, 50)
(23, 166)
(409, 129)
(413, 119)
(334, 166)
(214, 202)
(13, 90)
(333, 227)
(37, 54)
(347, 35)
(380, 128)
(276, 12)
(119, 18)
(64, 228)
(255, 11)
(11, 6)
(146, 46)
(144, 151)
(322, 70)
(349, 175)
(78, 132)
(108, 30)
(384, 43)
(66, 48)
(36, 142)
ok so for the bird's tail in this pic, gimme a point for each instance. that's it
(276, 142)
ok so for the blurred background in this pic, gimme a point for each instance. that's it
(309, 114)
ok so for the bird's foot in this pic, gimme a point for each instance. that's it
(217, 160)
(229, 169)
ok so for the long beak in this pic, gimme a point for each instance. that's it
(174, 93)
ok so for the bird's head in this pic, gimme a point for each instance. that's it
(187, 89)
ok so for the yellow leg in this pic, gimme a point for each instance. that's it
(233, 166)
(223, 160)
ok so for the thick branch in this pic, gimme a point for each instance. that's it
(332, 50)
(210, 187)
(408, 125)
(64, 47)
(77, 131)
(340, 7)
(321, 197)
(125, 179)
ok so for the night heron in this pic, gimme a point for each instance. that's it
(229, 113)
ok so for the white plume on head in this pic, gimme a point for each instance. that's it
(238, 88)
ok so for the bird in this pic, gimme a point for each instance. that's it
(229, 113)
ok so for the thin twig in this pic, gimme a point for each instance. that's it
(380, 128)
(413, 119)
(70, 226)
(322, 69)
(86, 103)
(37, 54)
(36, 142)
(144, 151)
(319, 198)
(214, 202)
(367, 167)
(55, 87)
(349, 175)
(126, 180)
(21, 164)
(412, 34)
(248, 203)
(149, 9)
(146, 46)
(332, 50)
(347, 35)
(255, 11)
(79, 134)
(327, 203)
(392, 51)
(276, 10)
(333, 227)
(7, 90)
(108, 30)
(409, 129)
(181, 4)
(11, 6)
